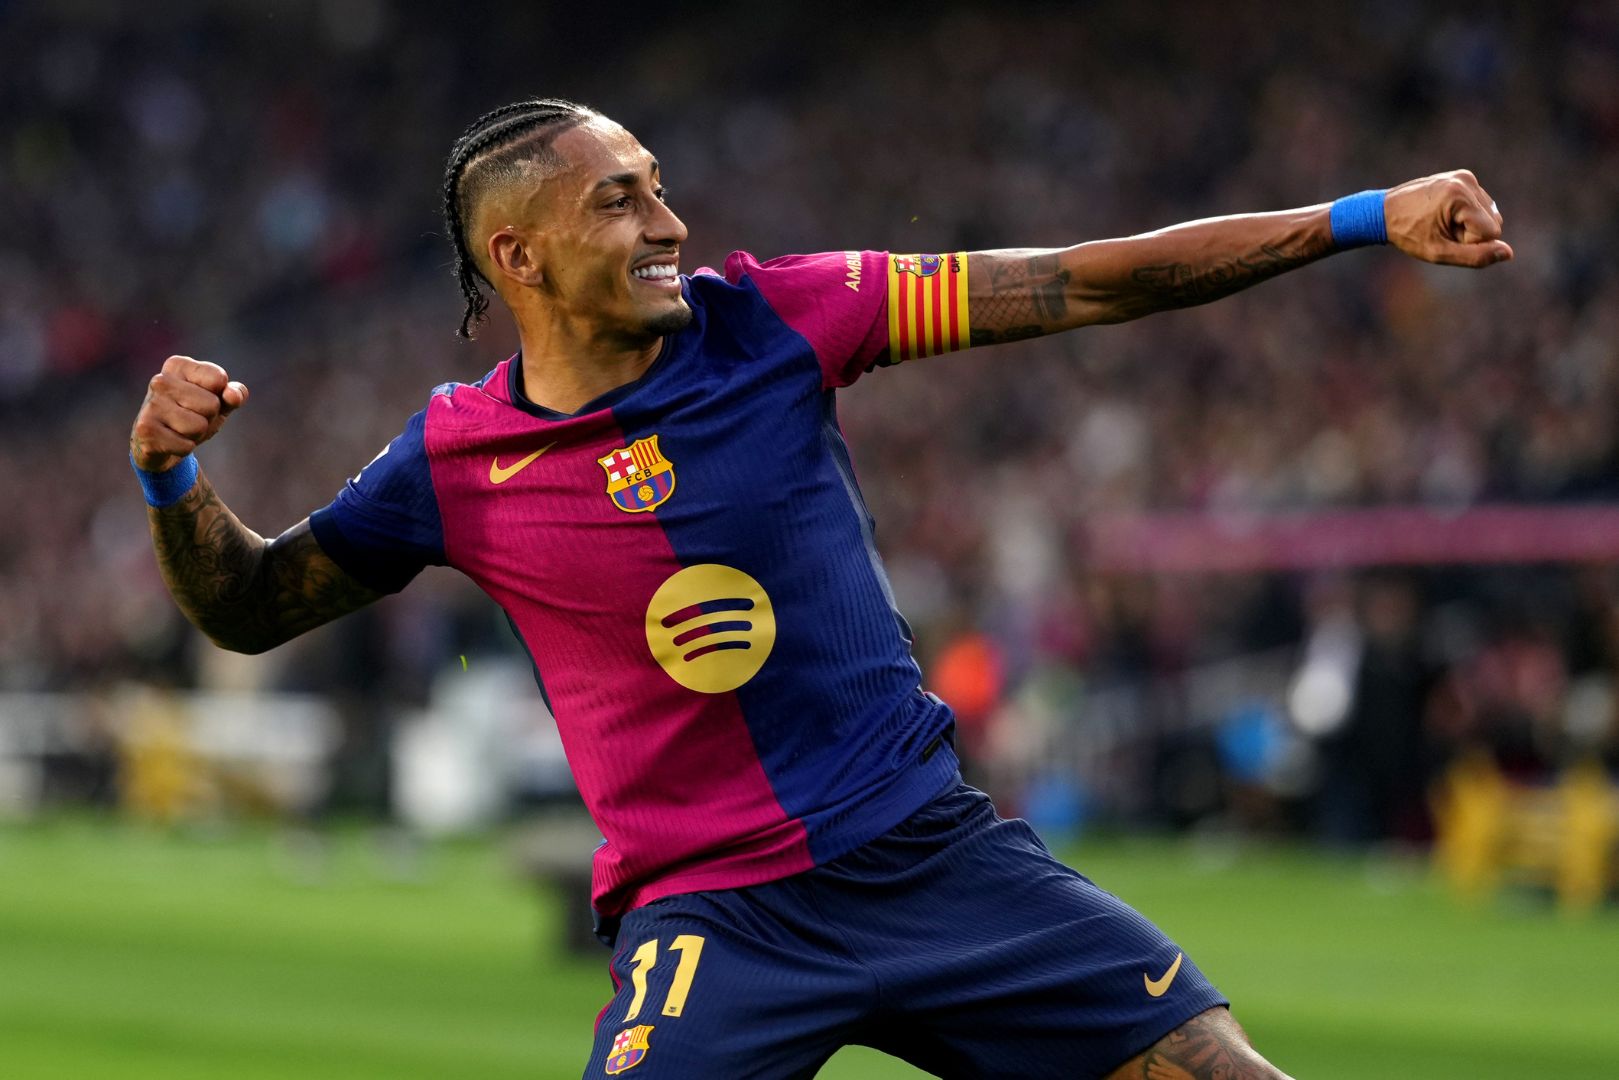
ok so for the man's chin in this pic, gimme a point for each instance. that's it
(672, 321)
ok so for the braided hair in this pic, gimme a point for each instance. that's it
(486, 153)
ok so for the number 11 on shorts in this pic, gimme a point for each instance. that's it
(690, 948)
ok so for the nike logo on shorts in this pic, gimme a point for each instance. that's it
(1159, 987)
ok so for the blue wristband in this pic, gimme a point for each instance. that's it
(167, 487)
(1357, 220)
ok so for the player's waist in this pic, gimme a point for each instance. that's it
(791, 846)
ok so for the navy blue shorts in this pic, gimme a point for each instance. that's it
(955, 941)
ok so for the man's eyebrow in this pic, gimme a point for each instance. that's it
(626, 179)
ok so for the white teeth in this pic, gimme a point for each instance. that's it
(660, 271)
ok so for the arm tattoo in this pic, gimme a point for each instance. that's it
(247, 594)
(1176, 285)
(1027, 297)
(1026, 292)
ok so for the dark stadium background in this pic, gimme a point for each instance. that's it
(257, 184)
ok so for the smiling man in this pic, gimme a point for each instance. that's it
(656, 492)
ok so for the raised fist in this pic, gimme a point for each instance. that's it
(1446, 218)
(186, 404)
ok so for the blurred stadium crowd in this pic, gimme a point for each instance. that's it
(258, 185)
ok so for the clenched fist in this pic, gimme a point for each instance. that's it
(186, 404)
(1446, 218)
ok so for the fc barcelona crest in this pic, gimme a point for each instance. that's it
(639, 477)
(920, 265)
(629, 1047)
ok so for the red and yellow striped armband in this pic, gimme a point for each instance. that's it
(927, 305)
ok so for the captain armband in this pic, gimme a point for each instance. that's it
(927, 305)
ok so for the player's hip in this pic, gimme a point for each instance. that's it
(954, 940)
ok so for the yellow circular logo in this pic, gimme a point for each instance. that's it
(710, 627)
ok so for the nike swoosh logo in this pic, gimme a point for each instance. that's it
(497, 475)
(1159, 987)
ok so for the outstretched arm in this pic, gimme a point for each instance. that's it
(246, 593)
(1025, 292)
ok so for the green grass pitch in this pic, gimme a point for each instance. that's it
(128, 954)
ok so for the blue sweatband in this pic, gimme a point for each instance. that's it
(169, 486)
(1357, 220)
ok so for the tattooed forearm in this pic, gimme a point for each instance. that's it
(247, 594)
(1175, 285)
(1024, 292)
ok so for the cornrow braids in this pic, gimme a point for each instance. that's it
(485, 152)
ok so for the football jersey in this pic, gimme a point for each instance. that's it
(690, 564)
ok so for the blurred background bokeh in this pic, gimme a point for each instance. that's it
(1333, 563)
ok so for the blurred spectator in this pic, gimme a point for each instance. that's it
(1376, 781)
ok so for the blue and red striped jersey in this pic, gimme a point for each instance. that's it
(690, 563)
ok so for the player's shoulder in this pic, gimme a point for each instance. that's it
(461, 404)
(707, 282)
(725, 293)
(790, 285)
(833, 300)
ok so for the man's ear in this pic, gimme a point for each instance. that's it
(511, 256)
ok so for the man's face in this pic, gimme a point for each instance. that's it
(608, 246)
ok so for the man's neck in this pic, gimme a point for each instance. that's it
(564, 373)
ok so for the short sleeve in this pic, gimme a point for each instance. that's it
(864, 309)
(835, 300)
(384, 526)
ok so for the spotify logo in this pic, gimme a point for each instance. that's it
(710, 627)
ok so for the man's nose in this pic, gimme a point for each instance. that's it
(664, 227)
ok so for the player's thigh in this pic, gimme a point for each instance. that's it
(701, 993)
(1014, 965)
(1209, 1046)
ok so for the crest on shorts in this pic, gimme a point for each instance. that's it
(639, 477)
(629, 1048)
(920, 265)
